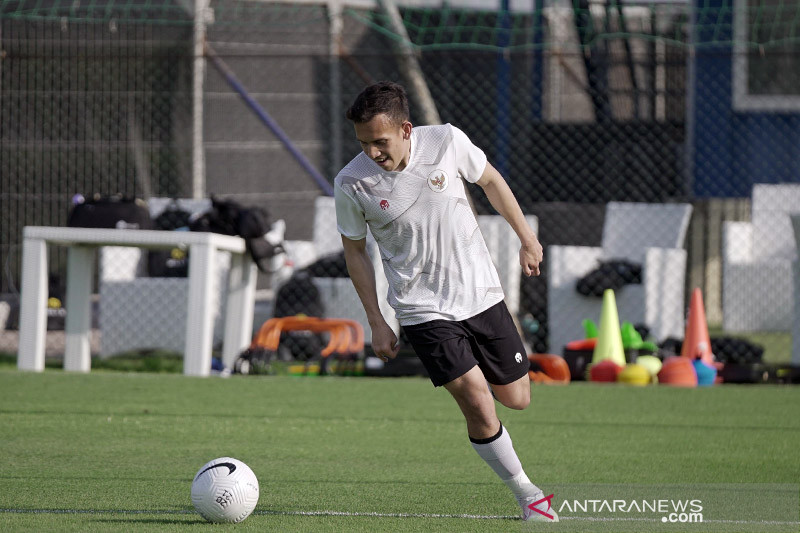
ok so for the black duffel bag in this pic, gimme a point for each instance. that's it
(120, 212)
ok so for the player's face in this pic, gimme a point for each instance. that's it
(385, 142)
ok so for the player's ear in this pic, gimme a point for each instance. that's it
(406, 130)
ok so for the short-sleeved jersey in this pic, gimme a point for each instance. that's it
(433, 253)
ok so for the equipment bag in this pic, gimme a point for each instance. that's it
(172, 263)
(611, 274)
(299, 296)
(251, 223)
(121, 212)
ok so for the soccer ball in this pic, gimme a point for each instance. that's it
(225, 490)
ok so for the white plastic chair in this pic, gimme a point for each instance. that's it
(757, 267)
(652, 235)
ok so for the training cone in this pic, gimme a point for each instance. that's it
(609, 339)
(651, 363)
(606, 371)
(635, 374)
(696, 342)
(678, 372)
(706, 374)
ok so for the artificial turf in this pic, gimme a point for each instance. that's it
(117, 452)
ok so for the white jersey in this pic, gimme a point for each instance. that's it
(433, 253)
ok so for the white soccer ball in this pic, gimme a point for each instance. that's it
(225, 490)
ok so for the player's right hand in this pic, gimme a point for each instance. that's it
(384, 342)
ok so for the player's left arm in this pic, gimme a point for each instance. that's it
(503, 200)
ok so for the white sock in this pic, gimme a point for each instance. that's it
(498, 452)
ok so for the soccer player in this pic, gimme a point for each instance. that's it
(407, 186)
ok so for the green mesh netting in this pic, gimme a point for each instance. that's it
(766, 23)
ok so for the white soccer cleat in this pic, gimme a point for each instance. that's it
(537, 508)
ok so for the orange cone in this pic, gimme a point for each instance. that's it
(696, 342)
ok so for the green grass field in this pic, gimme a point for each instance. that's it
(112, 451)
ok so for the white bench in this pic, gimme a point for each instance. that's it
(138, 312)
(757, 286)
(82, 242)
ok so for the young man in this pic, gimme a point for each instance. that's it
(407, 186)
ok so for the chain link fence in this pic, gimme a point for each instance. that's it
(585, 107)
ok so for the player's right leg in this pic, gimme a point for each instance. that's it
(476, 403)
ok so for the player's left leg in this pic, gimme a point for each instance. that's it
(492, 441)
(499, 453)
(504, 363)
(515, 395)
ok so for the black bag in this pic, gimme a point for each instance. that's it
(173, 217)
(611, 274)
(172, 263)
(400, 366)
(299, 296)
(253, 361)
(251, 223)
(329, 266)
(121, 212)
(735, 350)
(221, 218)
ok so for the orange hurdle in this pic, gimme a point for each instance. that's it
(346, 336)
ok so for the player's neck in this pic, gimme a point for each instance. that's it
(406, 160)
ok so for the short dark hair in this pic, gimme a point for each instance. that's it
(382, 97)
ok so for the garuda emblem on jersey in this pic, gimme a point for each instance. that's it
(438, 180)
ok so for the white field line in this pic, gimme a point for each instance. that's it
(381, 515)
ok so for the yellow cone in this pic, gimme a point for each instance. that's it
(609, 340)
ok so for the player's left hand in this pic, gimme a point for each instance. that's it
(530, 256)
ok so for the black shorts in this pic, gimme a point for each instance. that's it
(449, 349)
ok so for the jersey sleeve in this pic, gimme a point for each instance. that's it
(470, 159)
(350, 220)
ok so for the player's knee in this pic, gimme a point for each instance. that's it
(480, 402)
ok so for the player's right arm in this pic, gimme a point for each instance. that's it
(359, 266)
(352, 225)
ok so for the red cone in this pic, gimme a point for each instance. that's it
(696, 342)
